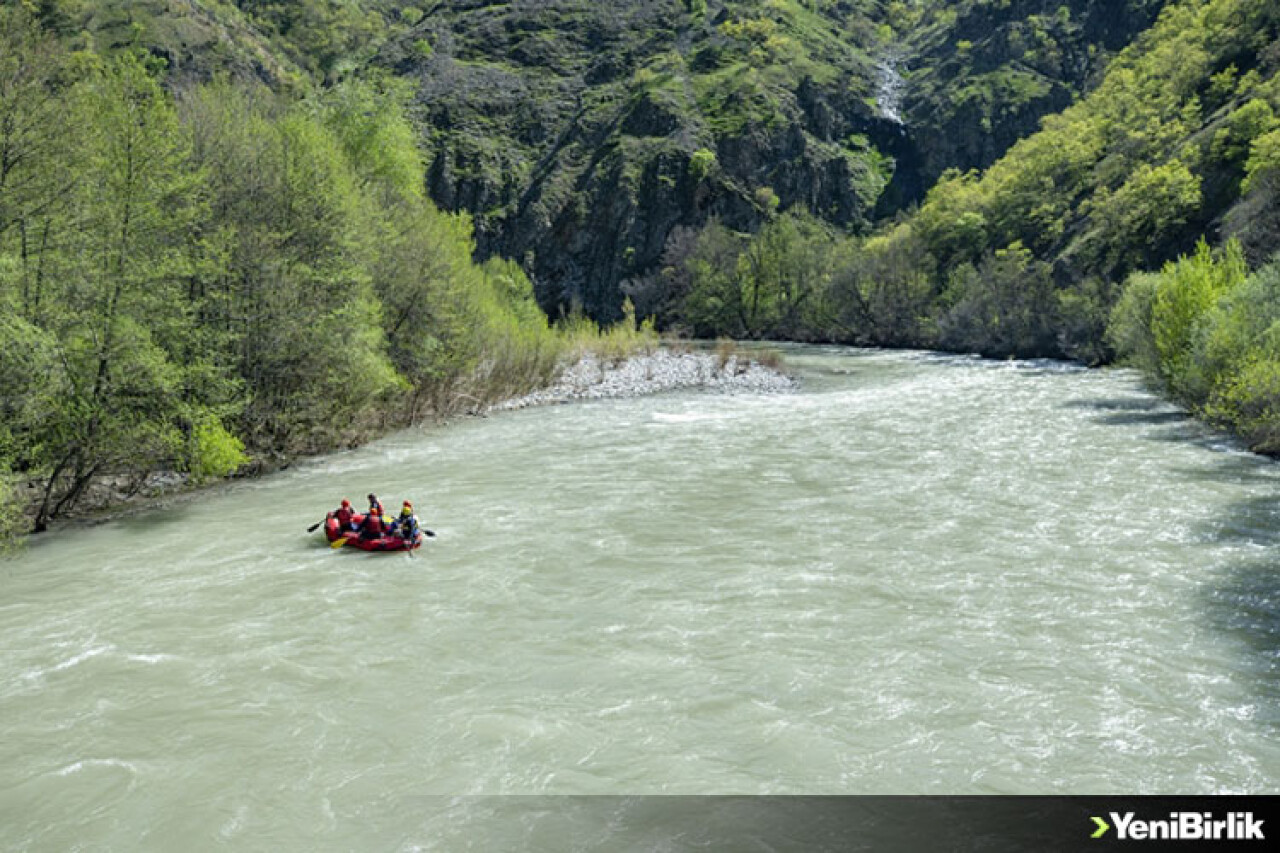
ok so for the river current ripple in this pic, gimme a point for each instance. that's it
(918, 574)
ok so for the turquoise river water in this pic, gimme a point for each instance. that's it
(917, 574)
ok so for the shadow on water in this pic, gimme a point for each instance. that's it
(1131, 411)
(1145, 403)
(1179, 427)
(1251, 523)
(1244, 605)
(1242, 602)
(1234, 467)
(1177, 419)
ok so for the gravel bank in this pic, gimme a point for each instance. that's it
(592, 379)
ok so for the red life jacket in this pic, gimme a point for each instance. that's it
(373, 525)
(344, 517)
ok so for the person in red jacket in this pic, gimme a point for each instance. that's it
(344, 515)
(372, 527)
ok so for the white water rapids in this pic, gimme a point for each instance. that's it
(916, 575)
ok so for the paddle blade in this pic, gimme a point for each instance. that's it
(312, 528)
(338, 543)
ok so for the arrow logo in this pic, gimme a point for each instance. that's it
(1103, 826)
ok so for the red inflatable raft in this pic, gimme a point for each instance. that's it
(394, 542)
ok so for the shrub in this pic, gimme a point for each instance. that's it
(1129, 330)
(1187, 289)
(701, 164)
(1004, 306)
(214, 451)
(1249, 403)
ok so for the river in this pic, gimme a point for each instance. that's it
(918, 574)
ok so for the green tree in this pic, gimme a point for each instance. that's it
(115, 326)
(771, 285)
(1248, 401)
(701, 164)
(37, 164)
(1129, 330)
(1240, 129)
(1264, 159)
(294, 291)
(1153, 204)
(1238, 350)
(1006, 305)
(1187, 290)
(713, 304)
(883, 293)
(952, 221)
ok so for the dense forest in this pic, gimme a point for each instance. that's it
(221, 275)
(233, 232)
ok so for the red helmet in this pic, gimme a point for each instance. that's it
(346, 503)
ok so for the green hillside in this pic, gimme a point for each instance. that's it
(581, 134)
(1080, 242)
(583, 138)
(1155, 156)
(982, 74)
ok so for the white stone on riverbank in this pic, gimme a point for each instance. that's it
(593, 379)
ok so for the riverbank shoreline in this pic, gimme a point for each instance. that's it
(591, 377)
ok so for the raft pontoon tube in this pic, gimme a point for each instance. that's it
(394, 542)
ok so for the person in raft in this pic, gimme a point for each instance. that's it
(373, 526)
(406, 524)
(344, 514)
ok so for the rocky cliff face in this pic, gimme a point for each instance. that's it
(981, 75)
(580, 136)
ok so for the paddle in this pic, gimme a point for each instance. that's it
(339, 542)
(312, 528)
